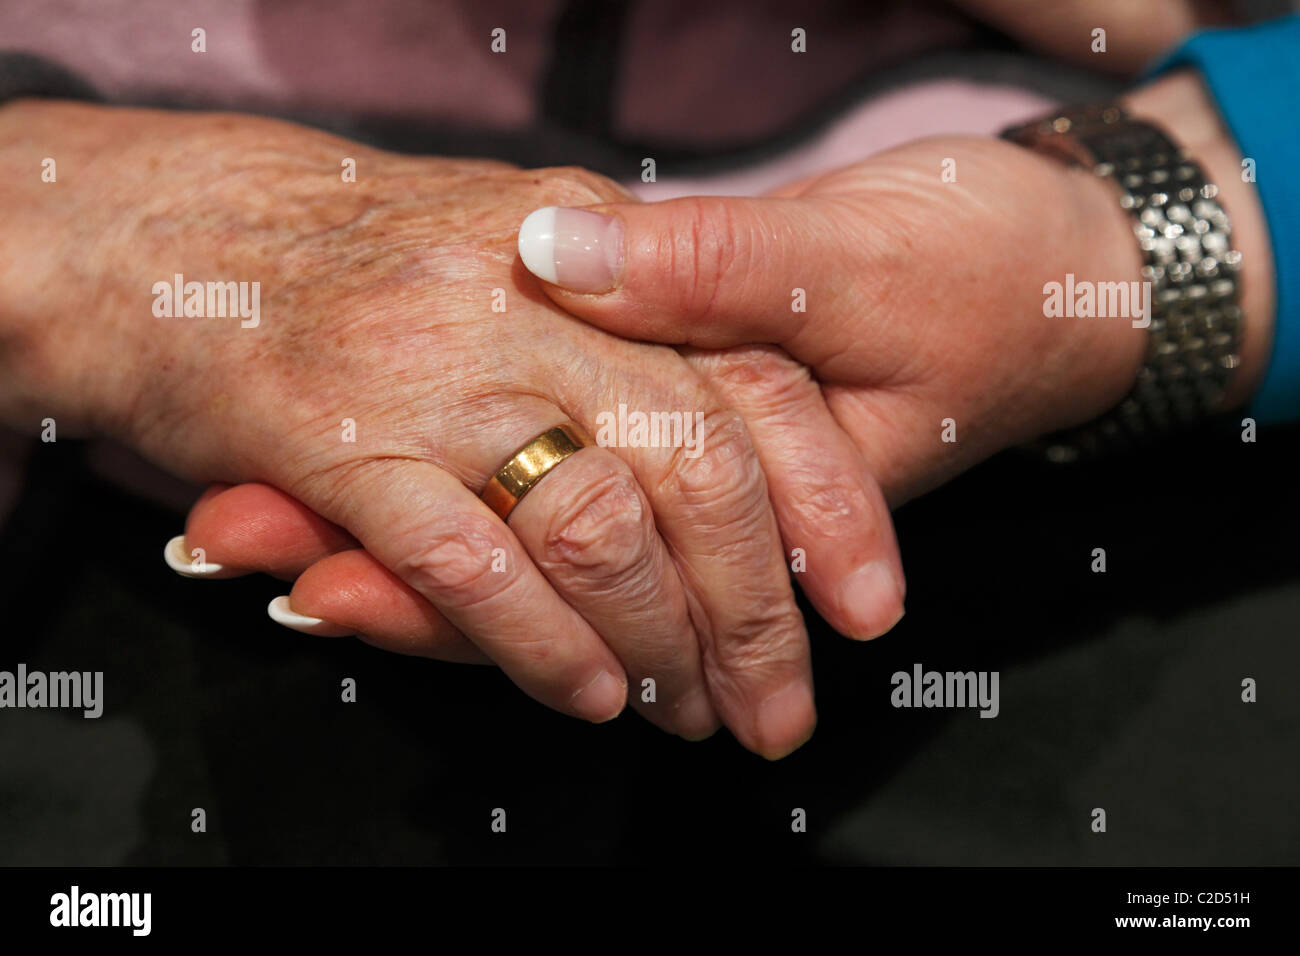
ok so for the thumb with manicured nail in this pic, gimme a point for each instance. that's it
(707, 271)
(718, 272)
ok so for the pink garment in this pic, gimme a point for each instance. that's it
(924, 109)
(713, 76)
(387, 58)
(709, 74)
(717, 72)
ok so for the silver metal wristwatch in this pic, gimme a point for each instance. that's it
(1195, 327)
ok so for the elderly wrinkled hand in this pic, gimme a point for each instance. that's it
(387, 355)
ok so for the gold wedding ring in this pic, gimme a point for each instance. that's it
(531, 463)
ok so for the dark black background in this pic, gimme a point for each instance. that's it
(1118, 690)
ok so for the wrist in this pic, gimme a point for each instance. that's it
(1181, 105)
(1101, 360)
(64, 352)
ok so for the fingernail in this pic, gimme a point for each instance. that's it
(181, 559)
(281, 613)
(601, 700)
(871, 600)
(578, 249)
(786, 720)
(695, 717)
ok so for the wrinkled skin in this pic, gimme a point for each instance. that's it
(926, 304)
(376, 306)
(925, 297)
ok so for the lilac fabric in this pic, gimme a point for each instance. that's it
(709, 74)
(388, 58)
(924, 109)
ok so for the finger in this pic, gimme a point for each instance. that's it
(353, 593)
(590, 529)
(438, 537)
(715, 513)
(835, 524)
(592, 533)
(338, 592)
(711, 506)
(709, 271)
(252, 528)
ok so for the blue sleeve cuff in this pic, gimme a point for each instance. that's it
(1254, 75)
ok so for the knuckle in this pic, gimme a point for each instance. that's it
(702, 250)
(606, 538)
(453, 562)
(832, 503)
(575, 186)
(762, 370)
(766, 644)
(722, 483)
(761, 641)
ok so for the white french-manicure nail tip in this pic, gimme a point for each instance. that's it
(281, 613)
(178, 558)
(537, 243)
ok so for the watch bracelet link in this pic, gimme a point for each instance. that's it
(1184, 234)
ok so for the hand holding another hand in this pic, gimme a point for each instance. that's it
(923, 309)
(379, 390)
